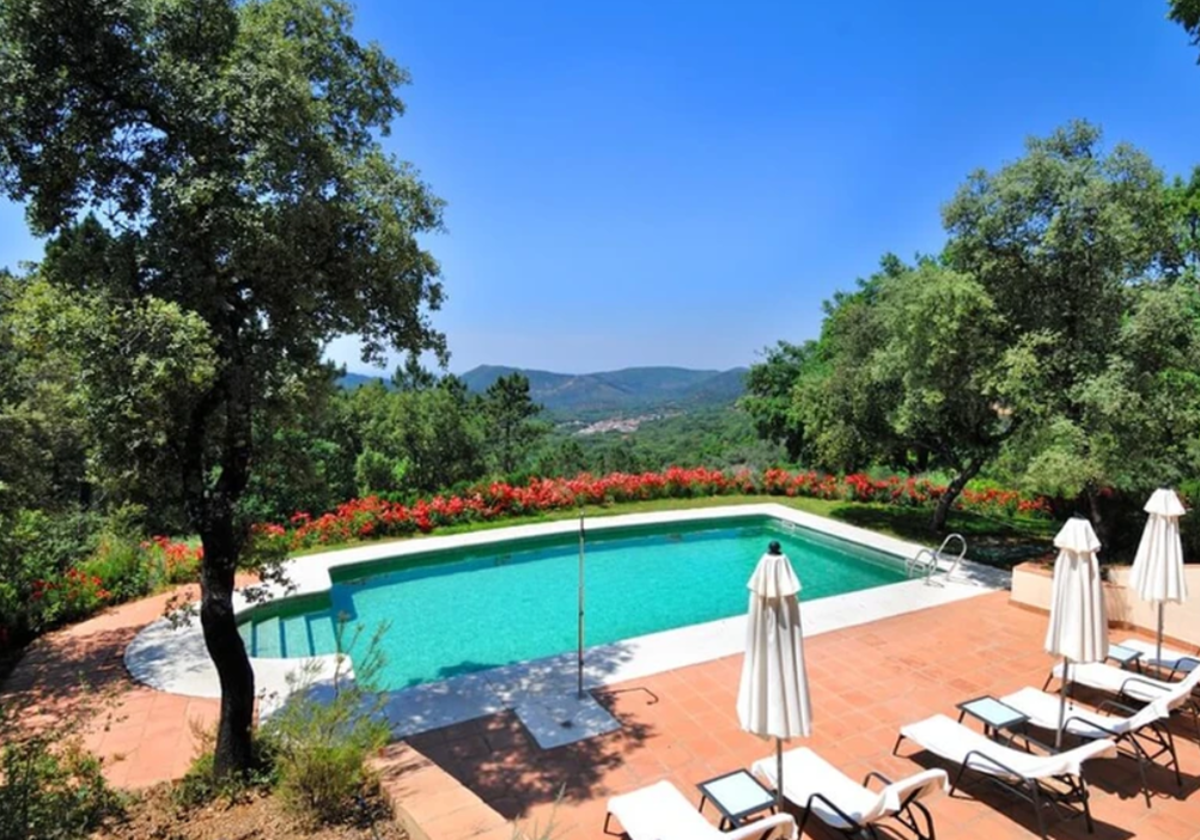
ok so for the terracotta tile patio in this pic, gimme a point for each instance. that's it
(866, 682)
(144, 736)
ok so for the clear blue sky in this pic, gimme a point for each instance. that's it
(683, 183)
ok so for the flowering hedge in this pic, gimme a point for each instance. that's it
(117, 571)
(120, 571)
(371, 517)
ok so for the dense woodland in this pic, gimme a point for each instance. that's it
(209, 178)
(1053, 345)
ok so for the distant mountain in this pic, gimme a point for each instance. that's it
(357, 380)
(618, 391)
(591, 396)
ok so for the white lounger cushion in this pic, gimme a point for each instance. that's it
(1043, 711)
(806, 773)
(661, 812)
(953, 742)
(1120, 681)
(1171, 658)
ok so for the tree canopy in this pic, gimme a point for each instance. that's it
(1055, 333)
(211, 172)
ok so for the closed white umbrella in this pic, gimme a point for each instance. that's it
(1078, 630)
(773, 697)
(1157, 572)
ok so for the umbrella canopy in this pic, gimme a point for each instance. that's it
(773, 697)
(1078, 630)
(1157, 573)
(1078, 627)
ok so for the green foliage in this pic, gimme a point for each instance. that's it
(43, 457)
(323, 735)
(40, 583)
(251, 216)
(202, 785)
(840, 405)
(512, 428)
(1187, 14)
(376, 473)
(50, 787)
(769, 388)
(305, 447)
(1054, 338)
(141, 365)
(420, 440)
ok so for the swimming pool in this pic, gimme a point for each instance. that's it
(456, 611)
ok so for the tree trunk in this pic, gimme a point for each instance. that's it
(224, 643)
(211, 509)
(942, 510)
(1096, 513)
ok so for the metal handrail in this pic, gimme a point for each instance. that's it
(927, 560)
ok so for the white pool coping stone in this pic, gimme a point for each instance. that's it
(543, 692)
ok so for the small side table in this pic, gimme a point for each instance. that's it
(1123, 656)
(995, 715)
(737, 795)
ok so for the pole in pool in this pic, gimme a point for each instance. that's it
(580, 659)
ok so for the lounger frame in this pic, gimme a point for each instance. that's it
(1134, 678)
(1157, 734)
(1074, 801)
(905, 814)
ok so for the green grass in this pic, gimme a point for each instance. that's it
(996, 542)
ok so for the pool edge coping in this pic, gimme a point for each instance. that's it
(191, 672)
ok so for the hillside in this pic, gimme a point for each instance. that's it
(357, 380)
(614, 392)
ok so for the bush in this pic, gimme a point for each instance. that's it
(50, 787)
(200, 785)
(39, 585)
(323, 736)
(121, 568)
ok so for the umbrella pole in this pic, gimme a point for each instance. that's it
(1062, 704)
(778, 775)
(1158, 652)
(579, 667)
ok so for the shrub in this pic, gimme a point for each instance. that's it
(37, 550)
(200, 785)
(50, 787)
(121, 568)
(172, 561)
(323, 735)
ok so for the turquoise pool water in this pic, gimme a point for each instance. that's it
(462, 610)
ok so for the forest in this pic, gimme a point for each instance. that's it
(1053, 345)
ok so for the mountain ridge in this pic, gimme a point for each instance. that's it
(605, 393)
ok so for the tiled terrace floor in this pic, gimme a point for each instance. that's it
(144, 736)
(681, 725)
(866, 682)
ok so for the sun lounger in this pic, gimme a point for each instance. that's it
(818, 787)
(1176, 696)
(1024, 773)
(1123, 725)
(1174, 662)
(661, 812)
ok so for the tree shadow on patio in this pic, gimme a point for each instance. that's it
(993, 542)
(62, 672)
(498, 759)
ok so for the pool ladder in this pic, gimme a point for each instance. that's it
(927, 561)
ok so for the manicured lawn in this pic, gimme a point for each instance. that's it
(997, 542)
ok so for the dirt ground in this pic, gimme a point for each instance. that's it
(256, 816)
